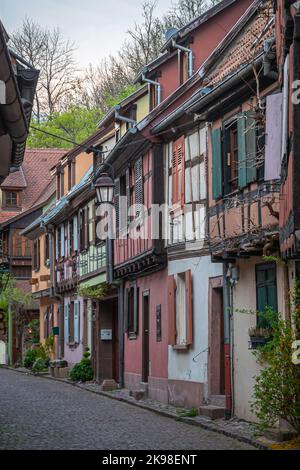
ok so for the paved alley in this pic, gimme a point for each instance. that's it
(36, 413)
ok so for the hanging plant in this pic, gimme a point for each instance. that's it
(93, 292)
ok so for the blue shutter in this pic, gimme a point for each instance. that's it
(75, 233)
(66, 322)
(242, 167)
(62, 240)
(216, 163)
(250, 147)
(76, 320)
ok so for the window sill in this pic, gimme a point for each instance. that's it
(132, 336)
(72, 345)
(180, 347)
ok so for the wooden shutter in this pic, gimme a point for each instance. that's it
(251, 142)
(172, 309)
(242, 167)
(216, 143)
(178, 176)
(93, 240)
(62, 241)
(128, 192)
(117, 203)
(139, 187)
(75, 233)
(68, 240)
(56, 245)
(86, 228)
(38, 254)
(66, 322)
(136, 310)
(76, 321)
(189, 307)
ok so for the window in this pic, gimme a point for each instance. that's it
(71, 237)
(178, 175)
(71, 175)
(131, 310)
(21, 272)
(117, 133)
(231, 160)
(180, 309)
(48, 321)
(62, 183)
(47, 249)
(266, 291)
(234, 155)
(21, 246)
(84, 228)
(183, 60)
(11, 199)
(122, 189)
(58, 195)
(72, 322)
(153, 96)
(36, 255)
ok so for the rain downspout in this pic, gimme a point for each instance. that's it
(190, 53)
(227, 341)
(118, 117)
(157, 84)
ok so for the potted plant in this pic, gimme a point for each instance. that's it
(259, 336)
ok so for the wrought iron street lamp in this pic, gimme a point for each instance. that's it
(105, 189)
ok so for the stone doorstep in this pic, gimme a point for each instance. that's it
(212, 411)
(109, 385)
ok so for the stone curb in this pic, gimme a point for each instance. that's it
(207, 426)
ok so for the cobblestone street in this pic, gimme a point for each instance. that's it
(36, 413)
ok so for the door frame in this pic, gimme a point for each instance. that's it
(215, 365)
(145, 337)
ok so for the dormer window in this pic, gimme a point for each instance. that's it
(11, 199)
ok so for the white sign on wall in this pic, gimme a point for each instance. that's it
(106, 335)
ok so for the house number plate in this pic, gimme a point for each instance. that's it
(106, 335)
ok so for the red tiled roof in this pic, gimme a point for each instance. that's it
(36, 172)
(15, 180)
(5, 215)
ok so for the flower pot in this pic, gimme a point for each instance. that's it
(256, 342)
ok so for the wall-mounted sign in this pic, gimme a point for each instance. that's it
(106, 335)
(55, 330)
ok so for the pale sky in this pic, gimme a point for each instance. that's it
(98, 27)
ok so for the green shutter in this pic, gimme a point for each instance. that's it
(242, 168)
(266, 291)
(216, 163)
(250, 146)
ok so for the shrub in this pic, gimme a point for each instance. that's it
(30, 358)
(32, 355)
(83, 371)
(277, 388)
(40, 365)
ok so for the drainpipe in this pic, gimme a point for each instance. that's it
(190, 53)
(157, 84)
(118, 117)
(227, 341)
(121, 331)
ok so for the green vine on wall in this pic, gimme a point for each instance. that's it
(93, 292)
